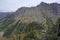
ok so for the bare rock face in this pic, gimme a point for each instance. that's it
(50, 10)
(38, 14)
(30, 15)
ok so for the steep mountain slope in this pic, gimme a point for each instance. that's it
(31, 22)
(52, 11)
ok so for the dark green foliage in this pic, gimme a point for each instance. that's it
(10, 30)
(58, 29)
(34, 25)
(19, 28)
(53, 32)
(31, 30)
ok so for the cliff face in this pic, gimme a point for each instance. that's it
(38, 13)
(52, 10)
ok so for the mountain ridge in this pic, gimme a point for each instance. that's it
(50, 10)
(32, 23)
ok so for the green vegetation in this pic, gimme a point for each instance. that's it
(30, 31)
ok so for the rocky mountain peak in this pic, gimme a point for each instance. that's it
(42, 4)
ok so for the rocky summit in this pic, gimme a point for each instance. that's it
(38, 13)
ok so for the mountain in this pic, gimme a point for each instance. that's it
(4, 14)
(31, 23)
(52, 11)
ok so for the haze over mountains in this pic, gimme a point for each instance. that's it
(4, 14)
(30, 22)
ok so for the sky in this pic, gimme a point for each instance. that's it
(13, 5)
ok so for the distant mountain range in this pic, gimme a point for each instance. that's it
(4, 14)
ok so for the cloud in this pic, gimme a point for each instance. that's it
(12, 5)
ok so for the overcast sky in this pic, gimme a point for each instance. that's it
(13, 5)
